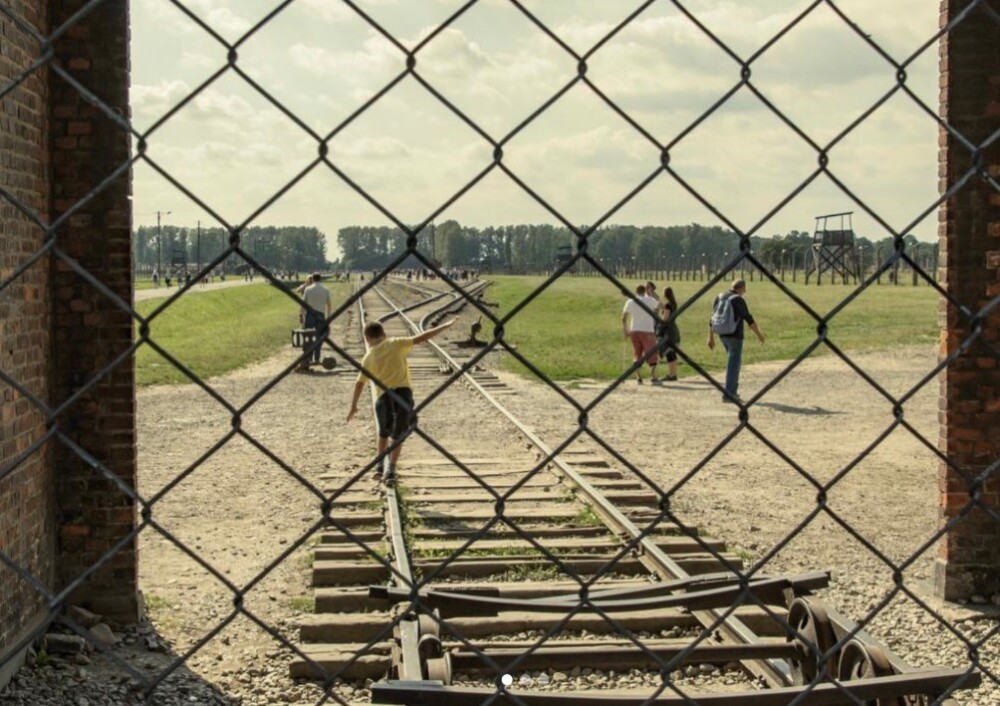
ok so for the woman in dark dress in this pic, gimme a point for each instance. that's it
(668, 333)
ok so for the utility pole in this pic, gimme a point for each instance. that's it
(158, 256)
(199, 246)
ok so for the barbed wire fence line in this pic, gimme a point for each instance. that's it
(970, 475)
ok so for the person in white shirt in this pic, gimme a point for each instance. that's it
(639, 326)
(317, 311)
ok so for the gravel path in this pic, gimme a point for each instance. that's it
(241, 512)
(164, 292)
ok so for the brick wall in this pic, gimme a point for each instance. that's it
(27, 503)
(58, 515)
(969, 556)
(90, 331)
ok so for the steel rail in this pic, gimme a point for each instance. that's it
(768, 590)
(618, 657)
(863, 691)
(409, 667)
(473, 289)
(776, 673)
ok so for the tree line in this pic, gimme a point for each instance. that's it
(278, 248)
(531, 248)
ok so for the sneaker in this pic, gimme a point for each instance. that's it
(732, 400)
(671, 378)
(390, 476)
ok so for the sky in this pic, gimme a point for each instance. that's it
(244, 143)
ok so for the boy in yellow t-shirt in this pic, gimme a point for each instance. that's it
(386, 362)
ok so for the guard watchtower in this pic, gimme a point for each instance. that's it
(564, 253)
(178, 259)
(834, 249)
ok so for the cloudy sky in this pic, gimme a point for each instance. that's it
(320, 61)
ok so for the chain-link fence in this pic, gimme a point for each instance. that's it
(47, 42)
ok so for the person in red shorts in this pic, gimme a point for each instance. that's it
(639, 326)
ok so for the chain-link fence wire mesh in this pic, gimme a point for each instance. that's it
(973, 316)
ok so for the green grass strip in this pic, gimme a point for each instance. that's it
(216, 332)
(573, 329)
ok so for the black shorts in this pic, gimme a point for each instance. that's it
(670, 354)
(392, 415)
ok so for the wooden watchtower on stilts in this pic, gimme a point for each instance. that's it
(834, 249)
(564, 253)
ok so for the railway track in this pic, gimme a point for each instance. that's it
(503, 568)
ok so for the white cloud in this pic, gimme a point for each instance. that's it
(227, 23)
(193, 60)
(601, 147)
(327, 10)
(156, 99)
(367, 148)
(453, 54)
(335, 11)
(375, 59)
(211, 104)
(322, 62)
(214, 13)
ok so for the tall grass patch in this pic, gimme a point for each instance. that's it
(573, 329)
(213, 333)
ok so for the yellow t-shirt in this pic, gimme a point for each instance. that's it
(387, 362)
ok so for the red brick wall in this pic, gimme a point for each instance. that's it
(58, 515)
(27, 503)
(90, 330)
(969, 556)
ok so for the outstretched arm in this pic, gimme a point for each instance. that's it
(432, 332)
(359, 387)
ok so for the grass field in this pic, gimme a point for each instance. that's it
(574, 330)
(213, 333)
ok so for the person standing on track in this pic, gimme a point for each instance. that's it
(386, 362)
(638, 326)
(317, 310)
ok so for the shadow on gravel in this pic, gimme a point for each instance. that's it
(64, 669)
(790, 409)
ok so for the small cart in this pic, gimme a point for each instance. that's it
(304, 338)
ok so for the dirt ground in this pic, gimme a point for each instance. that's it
(754, 485)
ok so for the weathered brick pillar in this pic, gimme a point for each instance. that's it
(90, 331)
(27, 500)
(969, 556)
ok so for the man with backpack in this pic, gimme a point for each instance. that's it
(728, 314)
